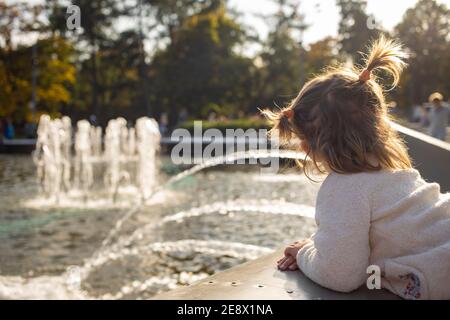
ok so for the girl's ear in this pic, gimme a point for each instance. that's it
(305, 146)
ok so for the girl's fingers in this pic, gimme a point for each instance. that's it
(287, 263)
(287, 251)
(293, 266)
(290, 251)
(282, 260)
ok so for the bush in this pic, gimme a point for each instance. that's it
(245, 123)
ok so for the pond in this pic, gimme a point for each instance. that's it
(205, 223)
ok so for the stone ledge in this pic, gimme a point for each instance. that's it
(261, 280)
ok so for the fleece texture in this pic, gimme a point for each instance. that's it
(391, 219)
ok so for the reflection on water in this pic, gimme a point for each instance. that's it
(205, 223)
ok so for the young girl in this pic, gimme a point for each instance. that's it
(373, 208)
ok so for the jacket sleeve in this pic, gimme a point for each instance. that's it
(337, 256)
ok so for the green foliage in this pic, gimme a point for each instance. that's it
(200, 66)
(283, 58)
(424, 31)
(172, 14)
(281, 72)
(354, 31)
(320, 55)
(243, 123)
(56, 74)
(195, 63)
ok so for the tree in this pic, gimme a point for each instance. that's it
(199, 69)
(356, 28)
(320, 55)
(123, 94)
(96, 22)
(117, 67)
(56, 15)
(281, 71)
(13, 20)
(56, 75)
(424, 31)
(283, 57)
(172, 14)
(54, 63)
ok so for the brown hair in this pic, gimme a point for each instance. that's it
(343, 116)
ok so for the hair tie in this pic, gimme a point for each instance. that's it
(288, 113)
(365, 75)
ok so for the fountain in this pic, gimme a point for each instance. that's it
(128, 156)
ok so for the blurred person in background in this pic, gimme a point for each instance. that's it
(1, 130)
(164, 123)
(9, 129)
(438, 116)
(424, 121)
(416, 113)
(30, 130)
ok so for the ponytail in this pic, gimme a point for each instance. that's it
(281, 122)
(385, 54)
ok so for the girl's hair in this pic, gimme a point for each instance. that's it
(343, 116)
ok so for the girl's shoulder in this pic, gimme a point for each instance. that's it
(370, 182)
(372, 176)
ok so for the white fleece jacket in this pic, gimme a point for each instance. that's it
(392, 219)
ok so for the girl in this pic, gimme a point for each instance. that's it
(373, 208)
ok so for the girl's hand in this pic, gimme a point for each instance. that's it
(289, 261)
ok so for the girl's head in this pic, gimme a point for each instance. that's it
(341, 117)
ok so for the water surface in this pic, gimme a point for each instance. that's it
(203, 224)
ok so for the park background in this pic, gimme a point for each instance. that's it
(100, 210)
(180, 60)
